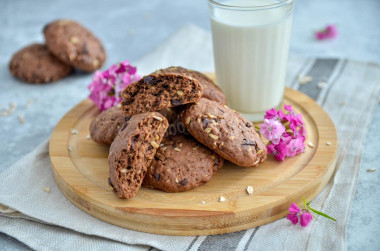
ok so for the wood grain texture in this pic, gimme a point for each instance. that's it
(82, 173)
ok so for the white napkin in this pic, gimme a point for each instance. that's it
(47, 220)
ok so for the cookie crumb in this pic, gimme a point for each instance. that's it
(88, 136)
(221, 199)
(371, 170)
(21, 119)
(28, 103)
(249, 190)
(302, 80)
(74, 131)
(69, 148)
(321, 84)
(203, 202)
(328, 143)
(311, 145)
(47, 189)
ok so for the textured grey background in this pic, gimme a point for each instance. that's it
(130, 29)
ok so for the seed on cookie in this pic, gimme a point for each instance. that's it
(213, 136)
(157, 118)
(177, 149)
(154, 144)
(208, 129)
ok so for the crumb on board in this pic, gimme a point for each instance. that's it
(221, 199)
(47, 189)
(250, 190)
(21, 119)
(371, 170)
(310, 144)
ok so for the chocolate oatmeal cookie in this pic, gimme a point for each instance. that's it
(181, 164)
(156, 92)
(132, 152)
(224, 131)
(106, 125)
(74, 45)
(35, 64)
(210, 89)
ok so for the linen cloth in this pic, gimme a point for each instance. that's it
(46, 221)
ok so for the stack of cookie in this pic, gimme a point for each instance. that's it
(68, 45)
(172, 132)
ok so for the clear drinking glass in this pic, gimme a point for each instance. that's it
(251, 46)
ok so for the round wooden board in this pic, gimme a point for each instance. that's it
(82, 173)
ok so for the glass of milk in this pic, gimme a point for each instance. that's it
(251, 45)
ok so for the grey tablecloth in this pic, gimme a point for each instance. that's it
(55, 223)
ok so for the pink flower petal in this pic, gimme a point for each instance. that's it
(272, 129)
(294, 209)
(293, 218)
(330, 32)
(305, 219)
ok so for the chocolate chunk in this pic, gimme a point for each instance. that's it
(147, 79)
(124, 126)
(176, 102)
(156, 176)
(206, 121)
(183, 182)
(248, 124)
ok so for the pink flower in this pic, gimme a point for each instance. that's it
(295, 147)
(279, 151)
(295, 214)
(305, 218)
(273, 114)
(329, 32)
(106, 87)
(285, 132)
(272, 130)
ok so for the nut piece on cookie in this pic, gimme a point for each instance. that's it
(177, 171)
(35, 64)
(159, 91)
(74, 45)
(210, 89)
(224, 131)
(106, 125)
(132, 152)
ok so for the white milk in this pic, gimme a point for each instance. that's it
(250, 52)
